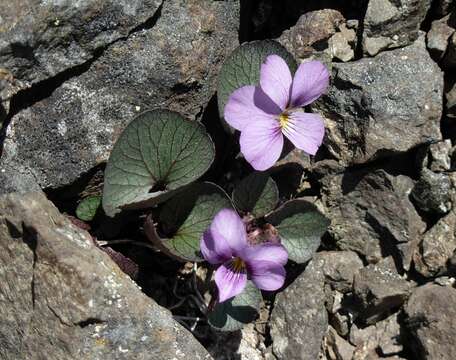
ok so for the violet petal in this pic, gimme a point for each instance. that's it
(227, 226)
(266, 252)
(261, 143)
(247, 104)
(276, 80)
(229, 283)
(214, 247)
(305, 131)
(267, 275)
(309, 83)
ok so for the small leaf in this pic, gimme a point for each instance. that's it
(186, 216)
(158, 152)
(256, 194)
(243, 68)
(233, 314)
(88, 207)
(300, 226)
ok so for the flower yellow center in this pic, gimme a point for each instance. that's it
(237, 264)
(283, 120)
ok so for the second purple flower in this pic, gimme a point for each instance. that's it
(263, 114)
(225, 244)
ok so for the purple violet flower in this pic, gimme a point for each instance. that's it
(225, 243)
(263, 114)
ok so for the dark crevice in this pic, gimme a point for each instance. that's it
(29, 236)
(90, 321)
(43, 89)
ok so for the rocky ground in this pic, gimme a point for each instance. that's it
(73, 74)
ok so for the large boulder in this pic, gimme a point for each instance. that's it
(384, 105)
(363, 206)
(63, 298)
(63, 136)
(40, 39)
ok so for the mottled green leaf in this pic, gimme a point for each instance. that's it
(300, 226)
(233, 314)
(88, 207)
(242, 68)
(158, 152)
(186, 216)
(256, 194)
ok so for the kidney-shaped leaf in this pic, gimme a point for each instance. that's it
(185, 217)
(233, 314)
(159, 151)
(300, 226)
(256, 194)
(242, 68)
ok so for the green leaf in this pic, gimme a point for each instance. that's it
(242, 68)
(300, 226)
(158, 152)
(186, 216)
(88, 207)
(233, 314)
(256, 194)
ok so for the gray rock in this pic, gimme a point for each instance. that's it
(384, 337)
(437, 247)
(376, 107)
(322, 34)
(443, 7)
(450, 105)
(336, 347)
(432, 192)
(380, 289)
(363, 207)
(39, 39)
(68, 133)
(299, 321)
(449, 61)
(438, 35)
(432, 321)
(63, 298)
(437, 156)
(339, 268)
(392, 23)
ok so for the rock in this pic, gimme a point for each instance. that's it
(320, 33)
(363, 206)
(449, 61)
(242, 345)
(432, 193)
(431, 319)
(339, 268)
(342, 44)
(299, 321)
(450, 107)
(63, 298)
(39, 40)
(437, 247)
(437, 156)
(388, 104)
(380, 289)
(438, 35)
(443, 7)
(384, 337)
(63, 136)
(391, 24)
(337, 348)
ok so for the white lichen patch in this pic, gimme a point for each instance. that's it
(74, 236)
(112, 286)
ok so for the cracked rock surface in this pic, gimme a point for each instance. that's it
(63, 298)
